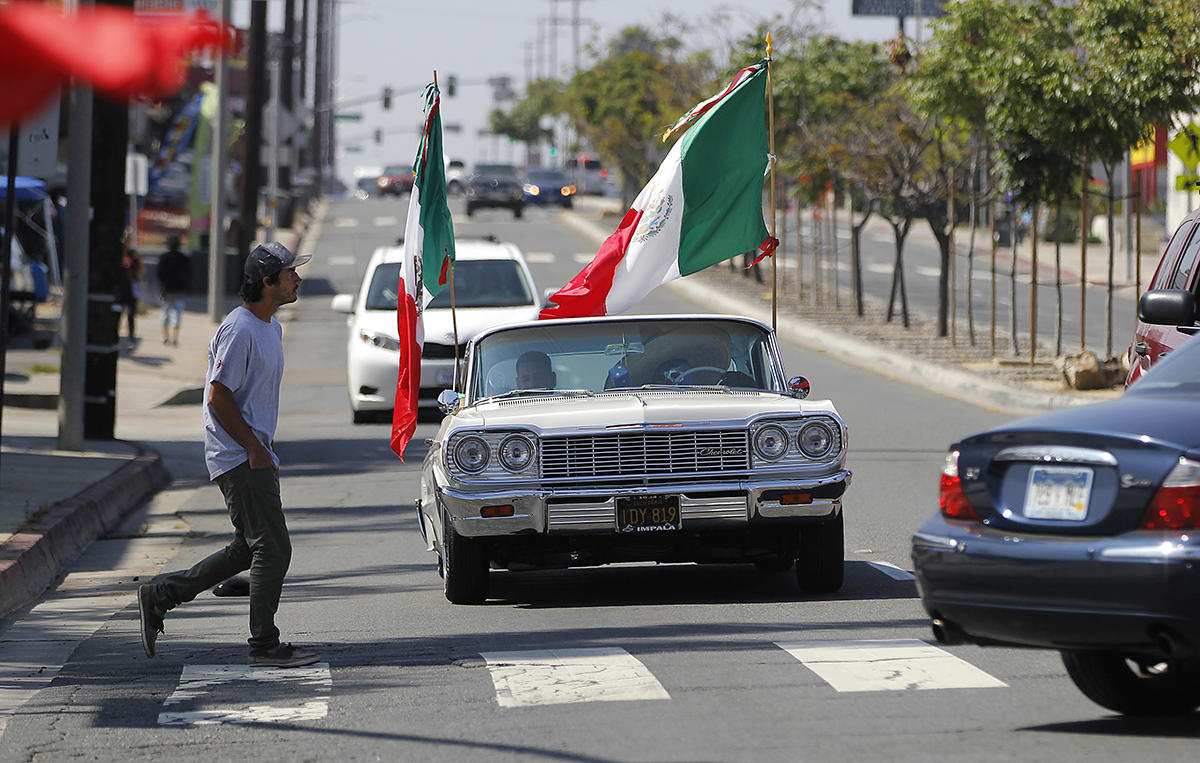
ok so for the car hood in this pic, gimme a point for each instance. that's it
(439, 326)
(1166, 418)
(608, 410)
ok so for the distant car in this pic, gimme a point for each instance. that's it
(396, 180)
(666, 438)
(548, 186)
(1154, 339)
(365, 188)
(456, 172)
(492, 286)
(588, 175)
(1079, 530)
(495, 185)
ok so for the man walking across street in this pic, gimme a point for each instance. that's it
(241, 410)
(174, 278)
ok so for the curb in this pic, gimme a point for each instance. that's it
(31, 559)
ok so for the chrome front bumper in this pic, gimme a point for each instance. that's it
(581, 510)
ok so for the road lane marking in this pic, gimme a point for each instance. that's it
(385, 220)
(340, 260)
(559, 676)
(312, 686)
(584, 257)
(345, 222)
(544, 258)
(892, 571)
(887, 665)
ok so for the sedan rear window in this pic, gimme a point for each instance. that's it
(477, 283)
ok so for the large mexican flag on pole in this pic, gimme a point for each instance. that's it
(703, 206)
(428, 257)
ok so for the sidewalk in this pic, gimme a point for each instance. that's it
(54, 503)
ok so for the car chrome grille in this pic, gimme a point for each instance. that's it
(630, 454)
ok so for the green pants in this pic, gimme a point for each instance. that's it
(260, 544)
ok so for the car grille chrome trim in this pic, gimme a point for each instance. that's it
(629, 454)
(713, 507)
(1058, 454)
(602, 515)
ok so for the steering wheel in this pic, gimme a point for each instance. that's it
(675, 375)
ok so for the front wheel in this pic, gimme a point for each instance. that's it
(822, 554)
(518, 211)
(1135, 684)
(470, 209)
(464, 567)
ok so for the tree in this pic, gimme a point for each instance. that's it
(523, 120)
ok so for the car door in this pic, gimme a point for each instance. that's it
(1176, 270)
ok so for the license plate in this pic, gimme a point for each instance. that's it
(1058, 492)
(648, 513)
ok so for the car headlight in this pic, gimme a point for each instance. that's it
(382, 341)
(567, 190)
(516, 453)
(532, 190)
(815, 439)
(471, 454)
(771, 442)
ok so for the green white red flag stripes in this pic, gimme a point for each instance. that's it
(428, 257)
(703, 206)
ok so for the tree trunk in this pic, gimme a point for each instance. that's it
(900, 231)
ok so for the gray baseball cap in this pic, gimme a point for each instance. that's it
(270, 258)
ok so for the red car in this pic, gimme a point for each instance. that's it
(1167, 311)
(396, 179)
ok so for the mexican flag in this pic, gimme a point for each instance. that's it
(703, 206)
(428, 257)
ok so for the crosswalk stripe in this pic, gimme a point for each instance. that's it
(341, 259)
(887, 665)
(345, 222)
(892, 571)
(559, 676)
(312, 684)
(584, 257)
(541, 257)
(386, 220)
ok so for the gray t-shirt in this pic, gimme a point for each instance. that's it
(246, 355)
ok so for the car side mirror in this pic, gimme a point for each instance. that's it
(799, 386)
(1167, 307)
(342, 303)
(546, 295)
(448, 401)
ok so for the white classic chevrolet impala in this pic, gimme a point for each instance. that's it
(659, 438)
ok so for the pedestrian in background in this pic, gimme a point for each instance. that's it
(174, 273)
(241, 410)
(129, 290)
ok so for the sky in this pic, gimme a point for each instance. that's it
(399, 43)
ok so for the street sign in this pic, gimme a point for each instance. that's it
(1186, 145)
(1187, 182)
(348, 116)
(897, 8)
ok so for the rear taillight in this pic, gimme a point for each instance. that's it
(1176, 505)
(952, 500)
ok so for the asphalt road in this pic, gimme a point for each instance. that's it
(631, 662)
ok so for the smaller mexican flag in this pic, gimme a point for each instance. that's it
(428, 257)
(703, 206)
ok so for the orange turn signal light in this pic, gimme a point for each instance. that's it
(791, 499)
(505, 510)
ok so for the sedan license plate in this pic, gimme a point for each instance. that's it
(648, 513)
(1058, 492)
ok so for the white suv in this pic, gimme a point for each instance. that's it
(492, 286)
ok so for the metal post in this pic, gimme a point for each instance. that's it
(220, 161)
(73, 330)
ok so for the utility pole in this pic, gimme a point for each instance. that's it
(287, 90)
(110, 127)
(252, 172)
(216, 185)
(324, 105)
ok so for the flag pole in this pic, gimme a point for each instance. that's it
(771, 138)
(453, 308)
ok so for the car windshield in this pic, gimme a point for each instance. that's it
(397, 169)
(547, 176)
(477, 283)
(608, 355)
(1178, 372)
(495, 169)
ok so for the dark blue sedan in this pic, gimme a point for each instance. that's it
(1079, 530)
(548, 186)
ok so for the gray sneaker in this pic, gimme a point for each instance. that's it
(282, 656)
(152, 622)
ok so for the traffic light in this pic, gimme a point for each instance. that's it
(451, 85)
(387, 98)
(378, 136)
